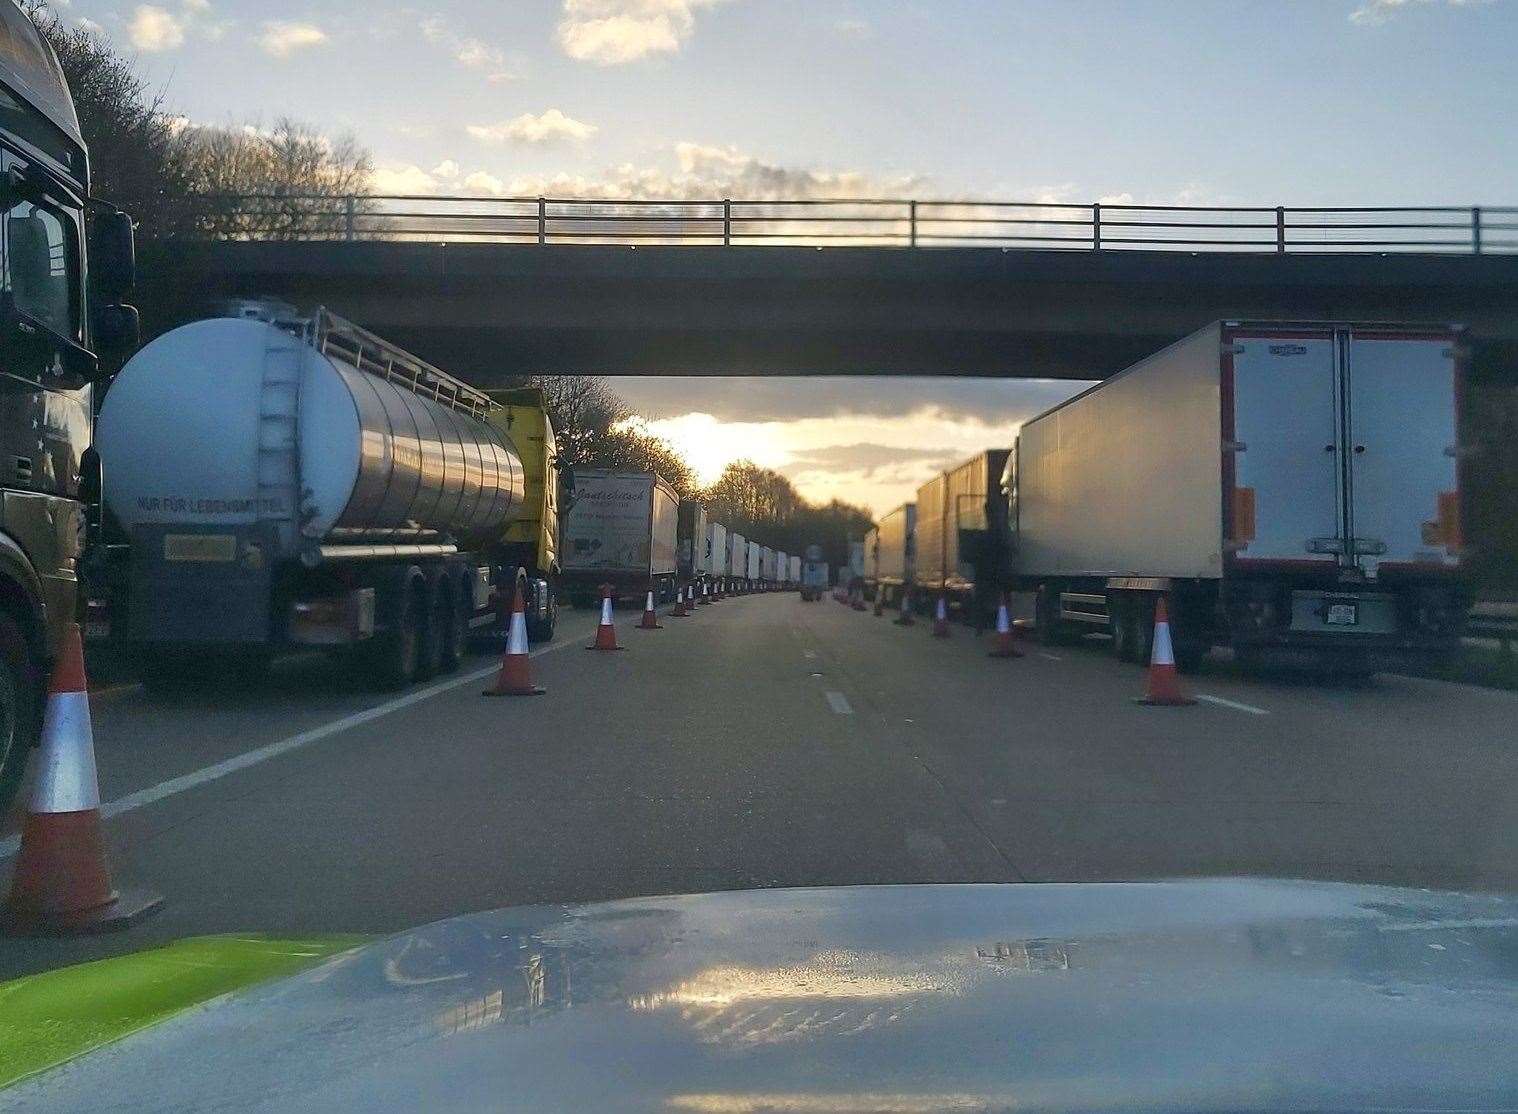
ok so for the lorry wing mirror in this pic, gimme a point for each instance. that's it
(113, 254)
(117, 329)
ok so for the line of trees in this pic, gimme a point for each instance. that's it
(590, 424)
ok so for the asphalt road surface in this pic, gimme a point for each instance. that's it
(770, 742)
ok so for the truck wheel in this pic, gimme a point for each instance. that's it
(541, 630)
(433, 613)
(1189, 654)
(1120, 625)
(452, 620)
(20, 697)
(394, 654)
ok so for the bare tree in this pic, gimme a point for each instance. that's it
(290, 182)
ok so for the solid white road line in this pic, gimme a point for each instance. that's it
(215, 772)
(1234, 704)
(839, 703)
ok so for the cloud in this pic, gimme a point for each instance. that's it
(783, 398)
(84, 23)
(446, 177)
(853, 29)
(153, 29)
(872, 460)
(283, 38)
(703, 172)
(470, 52)
(614, 32)
(551, 127)
(401, 179)
(877, 459)
(1373, 12)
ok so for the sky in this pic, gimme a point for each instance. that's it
(1264, 102)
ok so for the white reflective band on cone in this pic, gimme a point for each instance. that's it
(1002, 625)
(649, 606)
(66, 780)
(516, 641)
(1163, 654)
(606, 611)
(942, 612)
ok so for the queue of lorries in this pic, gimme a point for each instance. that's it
(1292, 489)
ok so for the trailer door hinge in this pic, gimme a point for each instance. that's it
(1234, 446)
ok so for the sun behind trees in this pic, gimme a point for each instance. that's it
(594, 430)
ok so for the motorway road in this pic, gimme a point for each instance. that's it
(769, 742)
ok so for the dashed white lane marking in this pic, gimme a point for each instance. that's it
(839, 703)
(809, 654)
(1234, 704)
(1049, 656)
(215, 772)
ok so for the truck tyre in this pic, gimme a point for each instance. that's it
(20, 699)
(395, 652)
(541, 630)
(434, 622)
(1189, 654)
(1121, 625)
(456, 624)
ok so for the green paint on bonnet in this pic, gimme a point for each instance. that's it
(52, 1017)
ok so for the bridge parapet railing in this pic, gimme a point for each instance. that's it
(872, 222)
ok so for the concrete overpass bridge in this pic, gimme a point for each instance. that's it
(913, 288)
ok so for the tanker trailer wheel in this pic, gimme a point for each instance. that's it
(20, 692)
(394, 654)
(455, 622)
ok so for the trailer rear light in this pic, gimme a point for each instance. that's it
(1243, 516)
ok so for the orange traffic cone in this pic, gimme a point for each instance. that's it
(1004, 647)
(905, 618)
(606, 632)
(679, 611)
(650, 620)
(941, 619)
(1164, 686)
(858, 602)
(879, 601)
(706, 595)
(515, 677)
(62, 884)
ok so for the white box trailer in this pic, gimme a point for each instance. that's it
(716, 550)
(737, 556)
(794, 576)
(622, 530)
(693, 564)
(782, 566)
(753, 568)
(1293, 487)
(896, 535)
